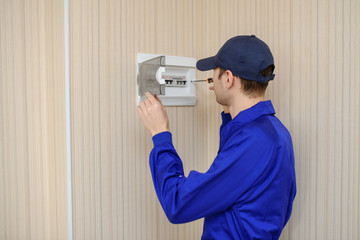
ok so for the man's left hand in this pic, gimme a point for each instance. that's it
(153, 114)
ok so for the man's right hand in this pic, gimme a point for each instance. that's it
(153, 114)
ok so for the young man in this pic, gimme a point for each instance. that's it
(249, 189)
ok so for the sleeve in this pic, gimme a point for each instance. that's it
(198, 195)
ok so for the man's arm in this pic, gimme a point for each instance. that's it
(198, 195)
(187, 198)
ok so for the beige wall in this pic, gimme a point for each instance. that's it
(315, 93)
(33, 191)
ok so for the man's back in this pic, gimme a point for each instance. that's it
(258, 148)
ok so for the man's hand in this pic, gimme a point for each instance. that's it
(153, 114)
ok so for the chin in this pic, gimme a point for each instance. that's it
(221, 102)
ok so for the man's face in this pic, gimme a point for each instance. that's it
(220, 90)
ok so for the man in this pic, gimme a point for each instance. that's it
(248, 191)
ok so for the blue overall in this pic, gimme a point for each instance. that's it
(248, 191)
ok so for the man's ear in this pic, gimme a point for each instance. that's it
(229, 82)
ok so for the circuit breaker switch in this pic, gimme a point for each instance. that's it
(174, 80)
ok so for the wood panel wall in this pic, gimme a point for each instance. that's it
(315, 93)
(113, 193)
(33, 190)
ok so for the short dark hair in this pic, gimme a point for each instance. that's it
(254, 88)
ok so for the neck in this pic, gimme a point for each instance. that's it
(242, 103)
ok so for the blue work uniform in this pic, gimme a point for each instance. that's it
(249, 189)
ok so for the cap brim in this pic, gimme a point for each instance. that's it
(206, 64)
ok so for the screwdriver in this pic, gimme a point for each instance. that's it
(208, 80)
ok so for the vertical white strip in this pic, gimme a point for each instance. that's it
(68, 123)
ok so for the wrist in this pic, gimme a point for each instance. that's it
(155, 132)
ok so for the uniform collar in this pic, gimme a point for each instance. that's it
(253, 113)
(245, 117)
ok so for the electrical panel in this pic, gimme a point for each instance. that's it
(169, 77)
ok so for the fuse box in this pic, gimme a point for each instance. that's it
(169, 77)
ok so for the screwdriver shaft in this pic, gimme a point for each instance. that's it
(208, 80)
(198, 81)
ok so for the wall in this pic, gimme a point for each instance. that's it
(315, 94)
(33, 193)
(113, 193)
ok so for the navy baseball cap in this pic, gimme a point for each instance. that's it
(245, 56)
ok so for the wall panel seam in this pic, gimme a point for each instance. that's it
(68, 123)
